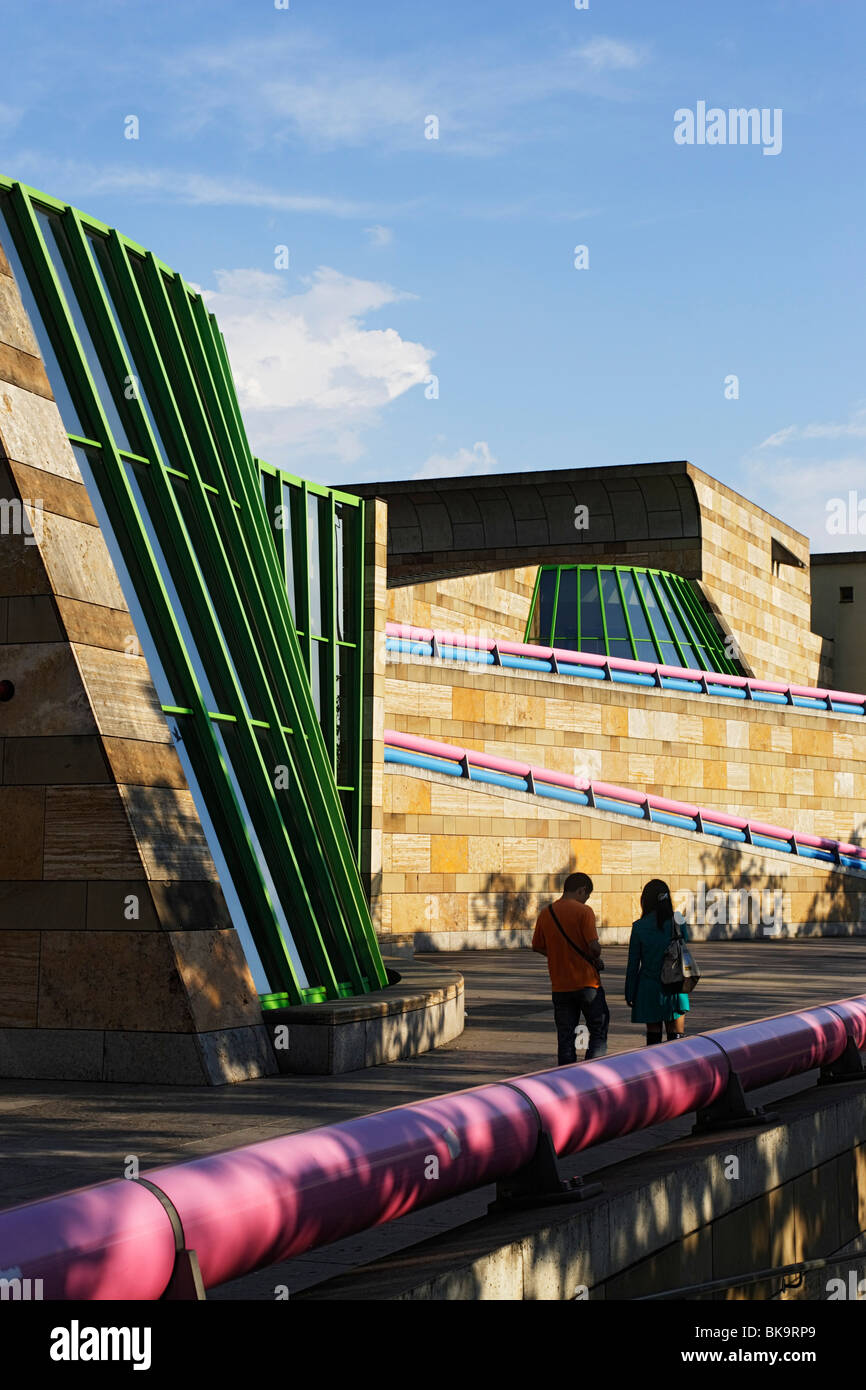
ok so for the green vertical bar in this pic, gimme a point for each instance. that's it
(552, 641)
(651, 576)
(598, 569)
(328, 581)
(625, 611)
(360, 641)
(532, 605)
(578, 582)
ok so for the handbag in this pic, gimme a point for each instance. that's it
(597, 965)
(679, 973)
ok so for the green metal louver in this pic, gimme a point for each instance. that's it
(639, 614)
(266, 712)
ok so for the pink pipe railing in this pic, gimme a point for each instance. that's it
(409, 633)
(255, 1206)
(470, 757)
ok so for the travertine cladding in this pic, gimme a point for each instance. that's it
(769, 615)
(472, 866)
(118, 960)
(494, 605)
(704, 531)
(801, 769)
(795, 768)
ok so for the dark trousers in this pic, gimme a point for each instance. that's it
(568, 1005)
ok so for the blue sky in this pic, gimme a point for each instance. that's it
(304, 127)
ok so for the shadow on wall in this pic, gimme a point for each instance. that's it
(506, 905)
(735, 896)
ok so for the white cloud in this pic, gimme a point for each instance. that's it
(603, 54)
(297, 88)
(311, 376)
(198, 190)
(803, 484)
(379, 236)
(854, 428)
(464, 462)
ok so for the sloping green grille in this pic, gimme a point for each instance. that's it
(265, 719)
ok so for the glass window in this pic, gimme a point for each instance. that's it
(634, 607)
(133, 473)
(691, 658)
(543, 616)
(566, 610)
(316, 679)
(68, 413)
(347, 543)
(670, 655)
(617, 628)
(591, 630)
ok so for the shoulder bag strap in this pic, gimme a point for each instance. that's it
(573, 944)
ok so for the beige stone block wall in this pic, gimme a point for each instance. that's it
(770, 616)
(473, 866)
(800, 769)
(492, 605)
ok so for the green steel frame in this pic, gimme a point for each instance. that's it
(188, 508)
(675, 597)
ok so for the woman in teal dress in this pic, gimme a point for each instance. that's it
(650, 936)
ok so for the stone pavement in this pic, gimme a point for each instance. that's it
(60, 1135)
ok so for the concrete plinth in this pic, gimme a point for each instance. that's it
(421, 1008)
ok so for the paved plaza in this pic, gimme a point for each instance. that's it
(60, 1135)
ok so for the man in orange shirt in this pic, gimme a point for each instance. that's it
(566, 934)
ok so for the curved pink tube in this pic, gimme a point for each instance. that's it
(251, 1207)
(113, 1240)
(600, 1100)
(853, 1014)
(776, 1048)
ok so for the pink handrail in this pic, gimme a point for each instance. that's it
(252, 1207)
(409, 633)
(448, 752)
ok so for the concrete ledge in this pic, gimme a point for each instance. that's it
(701, 1208)
(421, 1008)
(214, 1058)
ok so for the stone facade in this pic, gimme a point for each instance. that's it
(470, 867)
(495, 605)
(766, 606)
(465, 866)
(753, 569)
(118, 960)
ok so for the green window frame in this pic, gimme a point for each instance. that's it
(679, 626)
